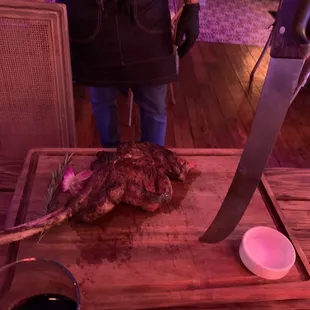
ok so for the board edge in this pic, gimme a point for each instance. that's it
(179, 151)
(281, 224)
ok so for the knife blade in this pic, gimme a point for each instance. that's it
(289, 49)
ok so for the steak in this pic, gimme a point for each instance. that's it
(138, 174)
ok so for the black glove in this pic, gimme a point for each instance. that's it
(189, 26)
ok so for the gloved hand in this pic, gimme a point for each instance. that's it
(188, 25)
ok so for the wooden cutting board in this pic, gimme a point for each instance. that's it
(132, 259)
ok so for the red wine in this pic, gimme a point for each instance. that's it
(46, 302)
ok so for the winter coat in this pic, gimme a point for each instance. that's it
(121, 42)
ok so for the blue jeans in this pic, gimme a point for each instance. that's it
(151, 100)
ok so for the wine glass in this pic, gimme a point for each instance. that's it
(35, 283)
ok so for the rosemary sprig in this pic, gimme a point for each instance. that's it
(53, 188)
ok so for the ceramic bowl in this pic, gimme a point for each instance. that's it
(267, 253)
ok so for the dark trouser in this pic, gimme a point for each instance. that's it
(151, 100)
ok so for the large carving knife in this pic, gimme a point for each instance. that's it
(289, 49)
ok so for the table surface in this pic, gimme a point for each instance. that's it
(290, 186)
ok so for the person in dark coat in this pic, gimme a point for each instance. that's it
(118, 44)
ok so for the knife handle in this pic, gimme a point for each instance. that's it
(289, 34)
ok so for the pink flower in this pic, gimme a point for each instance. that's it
(74, 183)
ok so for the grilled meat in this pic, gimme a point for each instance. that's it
(137, 173)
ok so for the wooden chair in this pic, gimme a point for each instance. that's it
(37, 105)
(178, 7)
(305, 74)
(267, 45)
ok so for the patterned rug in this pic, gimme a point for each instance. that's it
(236, 21)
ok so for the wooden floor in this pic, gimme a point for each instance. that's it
(215, 106)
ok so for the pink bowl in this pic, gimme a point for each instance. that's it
(267, 253)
